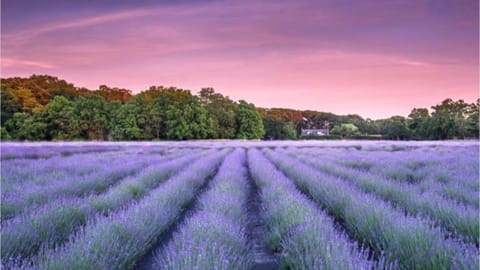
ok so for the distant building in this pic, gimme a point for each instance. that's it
(315, 132)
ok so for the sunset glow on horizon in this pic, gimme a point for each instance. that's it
(372, 58)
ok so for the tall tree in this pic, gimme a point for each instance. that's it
(157, 116)
(396, 129)
(249, 123)
(417, 120)
(25, 97)
(345, 130)
(93, 114)
(59, 117)
(279, 130)
(9, 106)
(222, 112)
(130, 120)
(23, 126)
(472, 121)
(187, 120)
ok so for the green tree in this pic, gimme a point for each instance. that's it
(130, 120)
(279, 130)
(173, 93)
(396, 129)
(187, 120)
(9, 106)
(157, 116)
(93, 115)
(417, 120)
(4, 135)
(249, 123)
(23, 126)
(345, 130)
(59, 117)
(222, 112)
(448, 120)
(472, 122)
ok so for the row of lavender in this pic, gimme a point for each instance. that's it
(456, 218)
(451, 172)
(323, 210)
(303, 236)
(28, 184)
(414, 241)
(66, 208)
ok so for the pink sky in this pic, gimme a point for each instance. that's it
(374, 59)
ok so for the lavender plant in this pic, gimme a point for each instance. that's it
(97, 182)
(305, 235)
(410, 241)
(458, 219)
(214, 237)
(51, 225)
(117, 241)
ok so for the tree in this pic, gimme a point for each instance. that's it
(416, 122)
(187, 120)
(4, 135)
(396, 129)
(157, 116)
(93, 114)
(472, 122)
(356, 120)
(41, 88)
(448, 120)
(23, 126)
(25, 98)
(279, 130)
(113, 94)
(130, 120)
(345, 130)
(9, 106)
(249, 123)
(60, 120)
(173, 93)
(222, 112)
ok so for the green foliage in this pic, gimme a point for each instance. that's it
(222, 112)
(449, 120)
(43, 107)
(279, 130)
(395, 128)
(157, 116)
(249, 123)
(93, 116)
(187, 120)
(60, 119)
(417, 120)
(345, 130)
(172, 93)
(9, 106)
(130, 120)
(4, 135)
(24, 126)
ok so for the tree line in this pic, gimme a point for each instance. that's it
(44, 107)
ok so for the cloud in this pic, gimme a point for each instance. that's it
(13, 62)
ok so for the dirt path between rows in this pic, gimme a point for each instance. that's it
(257, 230)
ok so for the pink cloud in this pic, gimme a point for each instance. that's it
(12, 63)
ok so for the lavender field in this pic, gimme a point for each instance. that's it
(240, 205)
